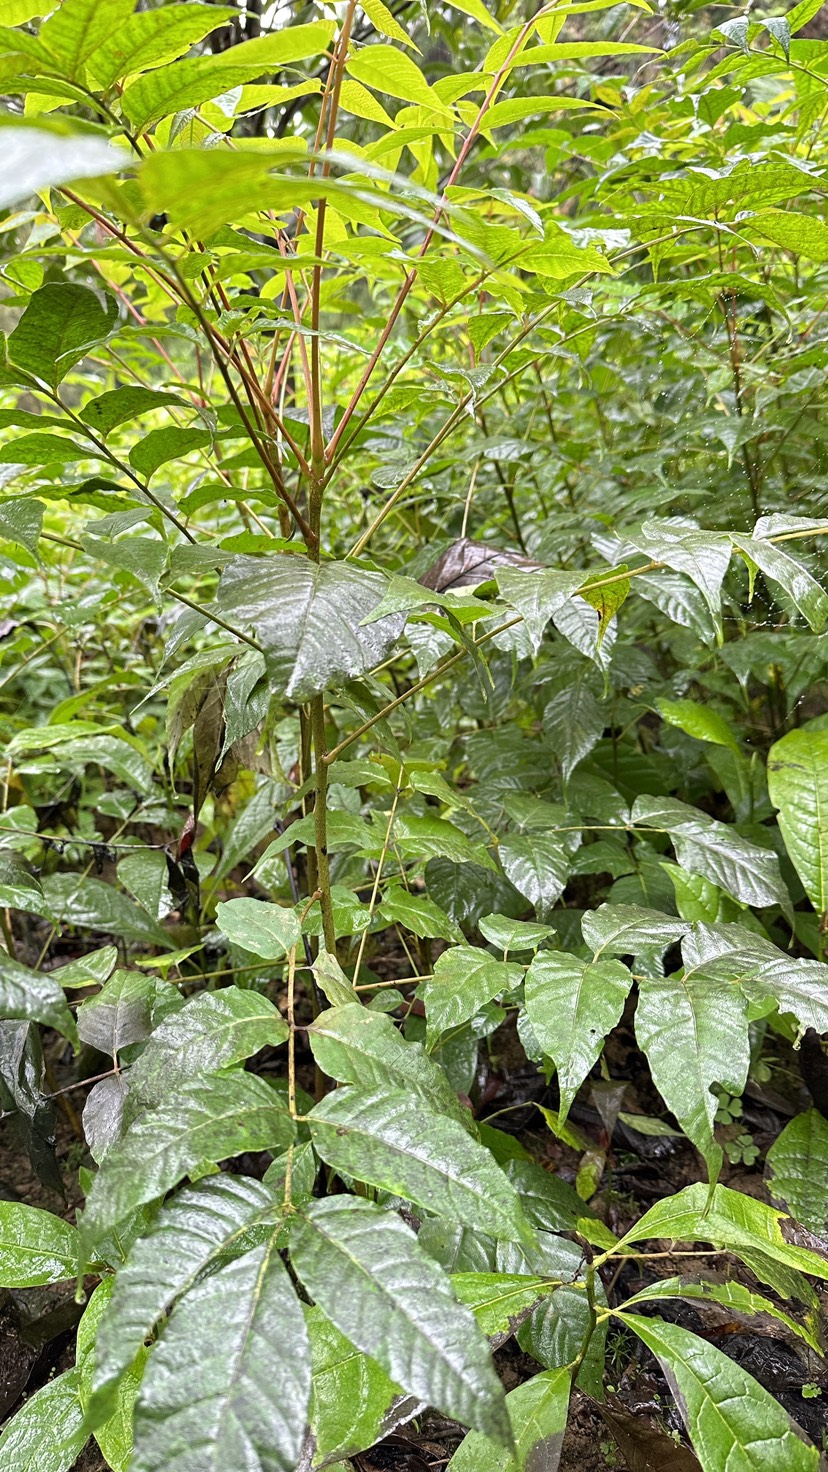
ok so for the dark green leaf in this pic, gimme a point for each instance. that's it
(61, 324)
(191, 1234)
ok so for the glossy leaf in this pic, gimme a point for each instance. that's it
(114, 1436)
(267, 930)
(731, 1419)
(571, 1007)
(189, 1237)
(355, 1046)
(365, 1270)
(61, 324)
(716, 851)
(240, 1337)
(309, 619)
(464, 979)
(538, 865)
(205, 1120)
(430, 1160)
(34, 997)
(48, 1432)
(212, 1031)
(694, 1032)
(353, 1402)
(573, 723)
(797, 1162)
(728, 1219)
(730, 1294)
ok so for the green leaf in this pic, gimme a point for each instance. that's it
(538, 865)
(114, 1437)
(728, 1219)
(730, 1294)
(162, 445)
(36, 1247)
(21, 521)
(212, 1030)
(33, 996)
(716, 851)
(766, 975)
(464, 979)
(61, 324)
(120, 405)
(228, 1383)
(73, 31)
(19, 889)
(146, 876)
(355, 1046)
(798, 787)
(153, 37)
(425, 837)
(206, 1120)
(42, 449)
(309, 619)
(516, 109)
(417, 913)
(353, 1402)
(418, 1154)
(48, 1432)
(513, 935)
(394, 74)
(34, 159)
(573, 723)
(703, 556)
(731, 1419)
(120, 1014)
(267, 930)
(536, 596)
(538, 1412)
(571, 1006)
(500, 1300)
(694, 1032)
(384, 23)
(332, 981)
(191, 1235)
(802, 13)
(797, 1162)
(364, 1268)
(698, 720)
(92, 904)
(792, 576)
(193, 80)
(549, 1203)
(626, 930)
